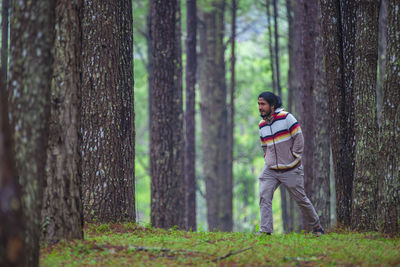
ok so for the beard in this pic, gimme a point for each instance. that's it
(266, 114)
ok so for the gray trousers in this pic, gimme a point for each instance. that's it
(293, 180)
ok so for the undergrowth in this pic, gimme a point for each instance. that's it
(133, 245)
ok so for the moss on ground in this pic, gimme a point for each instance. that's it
(133, 245)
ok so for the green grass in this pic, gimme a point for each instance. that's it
(130, 244)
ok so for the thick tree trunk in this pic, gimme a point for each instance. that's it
(190, 140)
(107, 111)
(271, 47)
(12, 225)
(338, 34)
(321, 158)
(167, 181)
(365, 184)
(214, 117)
(31, 62)
(62, 216)
(389, 174)
(5, 5)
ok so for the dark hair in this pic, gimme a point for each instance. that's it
(272, 99)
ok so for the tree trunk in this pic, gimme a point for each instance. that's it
(150, 61)
(31, 62)
(278, 82)
(12, 225)
(107, 112)
(365, 184)
(231, 111)
(321, 158)
(271, 47)
(291, 87)
(190, 140)
(338, 34)
(389, 175)
(304, 66)
(291, 75)
(382, 44)
(167, 181)
(4, 39)
(62, 216)
(284, 206)
(214, 117)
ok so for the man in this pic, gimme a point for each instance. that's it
(282, 142)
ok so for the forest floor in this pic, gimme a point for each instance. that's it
(133, 245)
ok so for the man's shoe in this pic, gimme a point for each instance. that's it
(318, 232)
(262, 234)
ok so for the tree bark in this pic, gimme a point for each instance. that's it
(271, 47)
(291, 87)
(365, 184)
(338, 35)
(150, 61)
(31, 62)
(5, 6)
(278, 82)
(321, 158)
(107, 112)
(167, 180)
(291, 75)
(231, 111)
(214, 117)
(62, 216)
(304, 66)
(389, 209)
(12, 225)
(190, 134)
(382, 44)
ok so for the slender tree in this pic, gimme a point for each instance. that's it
(62, 215)
(389, 174)
(32, 39)
(190, 141)
(231, 107)
(167, 180)
(291, 87)
(107, 116)
(306, 22)
(382, 48)
(5, 6)
(271, 46)
(214, 117)
(12, 225)
(276, 39)
(320, 186)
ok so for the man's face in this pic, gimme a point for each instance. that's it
(264, 107)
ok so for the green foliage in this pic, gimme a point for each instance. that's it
(128, 244)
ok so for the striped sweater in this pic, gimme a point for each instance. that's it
(281, 140)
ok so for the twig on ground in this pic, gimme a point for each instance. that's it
(231, 254)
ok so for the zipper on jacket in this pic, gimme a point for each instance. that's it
(273, 141)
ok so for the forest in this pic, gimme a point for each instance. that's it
(129, 131)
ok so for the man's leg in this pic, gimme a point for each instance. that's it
(267, 184)
(294, 182)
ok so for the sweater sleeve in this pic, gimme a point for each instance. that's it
(297, 135)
